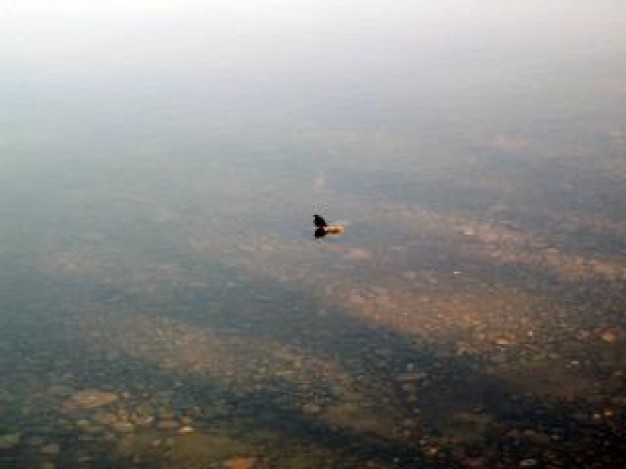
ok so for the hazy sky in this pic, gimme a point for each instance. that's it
(363, 55)
(111, 37)
(122, 77)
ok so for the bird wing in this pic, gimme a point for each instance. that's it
(319, 221)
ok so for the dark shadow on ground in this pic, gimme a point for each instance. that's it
(291, 317)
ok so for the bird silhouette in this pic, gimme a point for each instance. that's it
(322, 228)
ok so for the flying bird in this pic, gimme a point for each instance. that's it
(322, 228)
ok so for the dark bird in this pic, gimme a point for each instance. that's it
(319, 222)
(322, 228)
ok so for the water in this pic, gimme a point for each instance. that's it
(165, 304)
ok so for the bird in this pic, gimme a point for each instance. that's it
(322, 228)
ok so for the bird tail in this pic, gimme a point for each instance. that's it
(334, 229)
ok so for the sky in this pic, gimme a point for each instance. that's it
(385, 58)
(239, 36)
